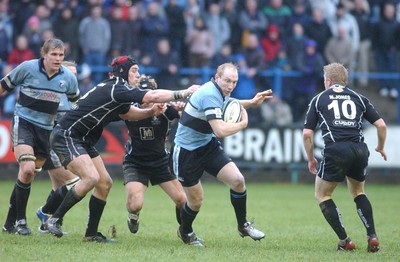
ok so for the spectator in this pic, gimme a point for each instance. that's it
(6, 31)
(95, 40)
(154, 27)
(385, 42)
(276, 113)
(21, 11)
(177, 25)
(300, 14)
(318, 30)
(200, 44)
(304, 88)
(271, 44)
(124, 6)
(133, 33)
(295, 43)
(21, 52)
(340, 49)
(33, 35)
(118, 30)
(250, 62)
(229, 11)
(327, 7)
(191, 11)
(223, 56)
(361, 14)
(346, 20)
(167, 61)
(66, 27)
(252, 20)
(279, 14)
(218, 25)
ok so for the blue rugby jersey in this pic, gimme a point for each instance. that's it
(205, 104)
(39, 95)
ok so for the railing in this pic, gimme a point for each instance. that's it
(277, 75)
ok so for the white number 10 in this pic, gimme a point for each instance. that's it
(348, 109)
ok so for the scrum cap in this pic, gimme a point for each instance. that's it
(121, 65)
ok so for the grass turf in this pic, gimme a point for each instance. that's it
(288, 214)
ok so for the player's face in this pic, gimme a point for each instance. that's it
(227, 81)
(134, 75)
(52, 60)
(327, 82)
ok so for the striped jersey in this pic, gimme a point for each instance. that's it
(340, 115)
(39, 95)
(205, 104)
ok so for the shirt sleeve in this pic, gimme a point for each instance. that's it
(311, 120)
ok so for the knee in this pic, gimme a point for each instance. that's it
(238, 184)
(180, 200)
(134, 204)
(105, 184)
(196, 202)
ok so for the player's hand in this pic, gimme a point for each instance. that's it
(158, 108)
(312, 166)
(260, 97)
(382, 152)
(244, 119)
(177, 105)
(191, 90)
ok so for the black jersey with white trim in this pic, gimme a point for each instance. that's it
(340, 115)
(147, 137)
(98, 107)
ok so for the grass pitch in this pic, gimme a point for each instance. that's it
(288, 214)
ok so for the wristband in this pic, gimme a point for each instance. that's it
(179, 94)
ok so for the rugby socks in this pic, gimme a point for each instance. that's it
(333, 217)
(12, 210)
(238, 201)
(178, 215)
(54, 200)
(187, 215)
(96, 207)
(50, 195)
(364, 210)
(71, 198)
(22, 193)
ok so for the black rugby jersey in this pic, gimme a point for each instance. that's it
(340, 115)
(98, 107)
(147, 136)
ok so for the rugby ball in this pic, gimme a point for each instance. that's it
(232, 111)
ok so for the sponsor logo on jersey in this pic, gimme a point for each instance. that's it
(146, 133)
(344, 123)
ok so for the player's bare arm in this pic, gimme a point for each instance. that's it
(135, 113)
(162, 95)
(257, 100)
(223, 129)
(381, 131)
(308, 136)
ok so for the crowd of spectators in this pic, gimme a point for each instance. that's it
(299, 35)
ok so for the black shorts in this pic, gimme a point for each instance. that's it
(68, 147)
(156, 172)
(52, 162)
(189, 166)
(341, 159)
(26, 133)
